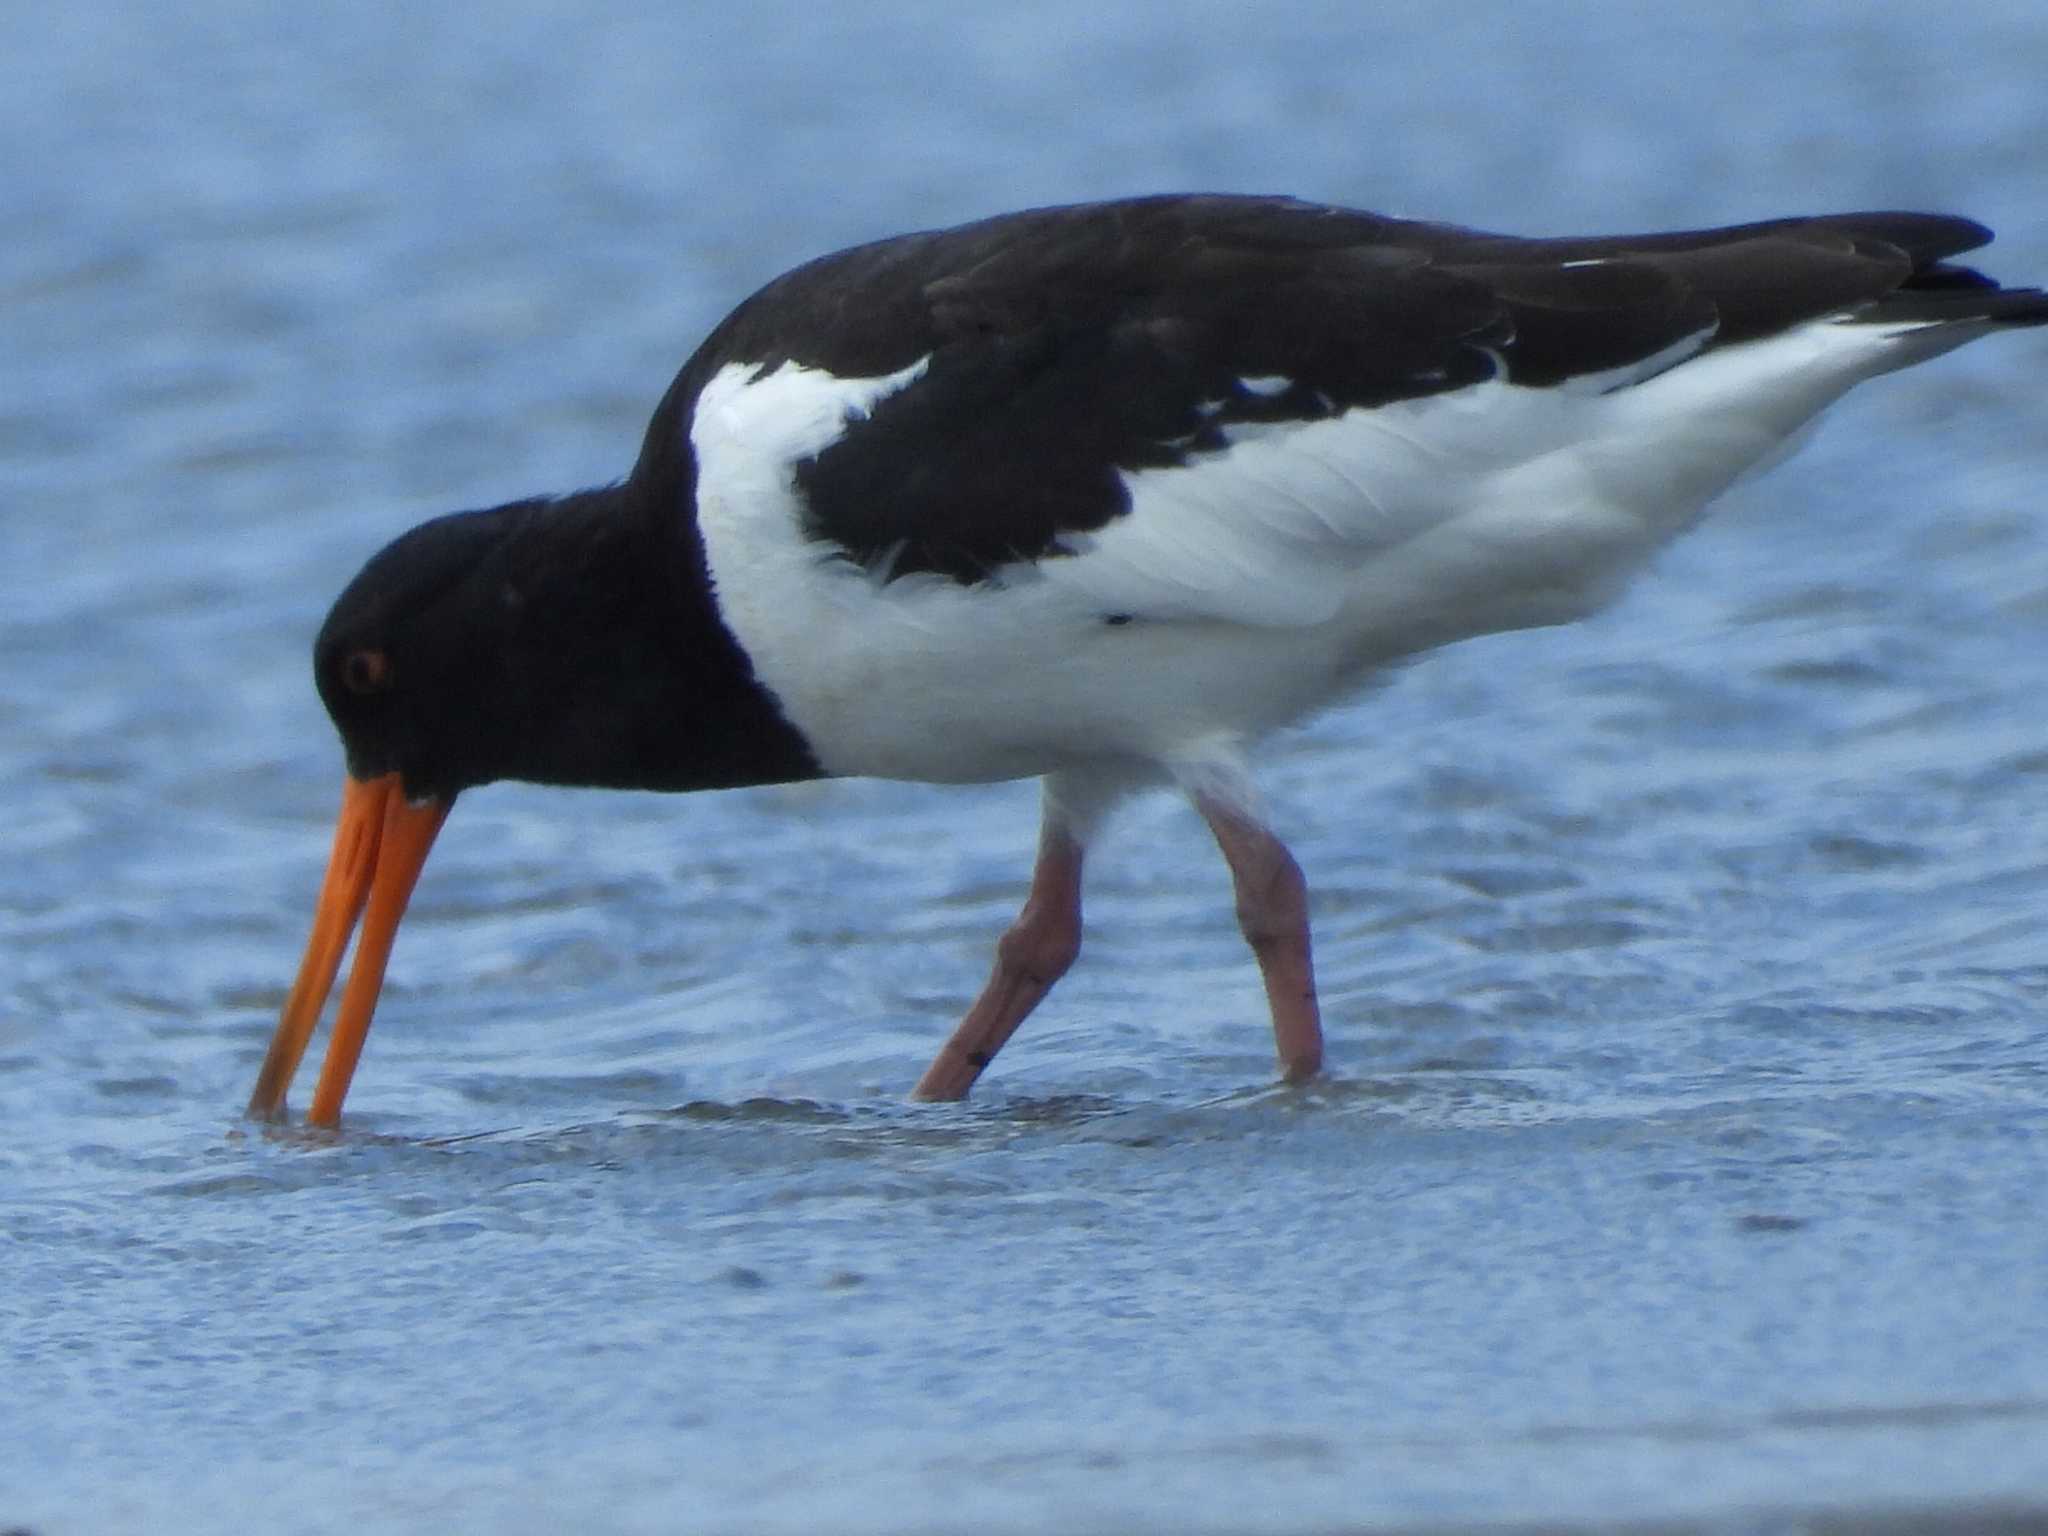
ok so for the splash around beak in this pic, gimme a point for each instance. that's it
(380, 845)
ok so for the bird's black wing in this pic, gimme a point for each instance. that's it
(1068, 344)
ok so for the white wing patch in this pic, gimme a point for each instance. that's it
(786, 416)
(1607, 380)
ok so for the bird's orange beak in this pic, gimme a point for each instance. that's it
(380, 845)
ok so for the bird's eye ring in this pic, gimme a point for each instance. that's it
(367, 671)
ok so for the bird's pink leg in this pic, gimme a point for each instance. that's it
(1034, 954)
(1272, 909)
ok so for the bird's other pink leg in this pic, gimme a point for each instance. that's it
(1034, 954)
(1272, 909)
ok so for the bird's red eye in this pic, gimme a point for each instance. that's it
(366, 672)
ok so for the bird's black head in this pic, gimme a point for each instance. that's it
(419, 651)
(518, 642)
(564, 641)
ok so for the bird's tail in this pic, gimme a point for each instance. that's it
(1939, 291)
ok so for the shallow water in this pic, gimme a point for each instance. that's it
(1684, 1150)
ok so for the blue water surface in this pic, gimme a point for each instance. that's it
(1685, 1152)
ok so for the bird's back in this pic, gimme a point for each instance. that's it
(1248, 420)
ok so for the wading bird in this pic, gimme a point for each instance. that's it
(1101, 494)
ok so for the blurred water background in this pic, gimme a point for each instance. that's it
(1683, 1154)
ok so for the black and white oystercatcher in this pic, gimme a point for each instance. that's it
(1102, 494)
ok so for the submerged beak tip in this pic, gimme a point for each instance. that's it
(380, 845)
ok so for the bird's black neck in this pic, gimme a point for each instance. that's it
(638, 683)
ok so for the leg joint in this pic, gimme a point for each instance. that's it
(1039, 947)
